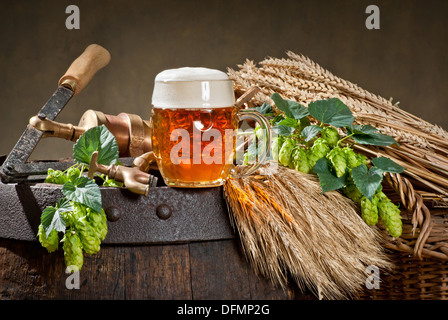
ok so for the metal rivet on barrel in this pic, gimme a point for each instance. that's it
(113, 213)
(164, 211)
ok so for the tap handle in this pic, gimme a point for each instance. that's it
(55, 129)
(145, 162)
(133, 178)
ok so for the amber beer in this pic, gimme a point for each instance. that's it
(187, 153)
(193, 126)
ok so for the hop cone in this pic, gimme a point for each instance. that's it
(73, 173)
(52, 242)
(89, 238)
(276, 146)
(354, 159)
(330, 135)
(380, 194)
(55, 177)
(78, 215)
(352, 191)
(300, 160)
(73, 254)
(319, 150)
(284, 156)
(369, 210)
(390, 216)
(338, 161)
(98, 221)
(361, 159)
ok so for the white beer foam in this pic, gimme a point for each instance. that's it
(191, 74)
(193, 87)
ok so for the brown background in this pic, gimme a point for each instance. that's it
(406, 59)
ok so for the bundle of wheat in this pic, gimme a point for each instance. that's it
(422, 188)
(287, 227)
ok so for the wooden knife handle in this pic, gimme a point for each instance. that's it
(82, 70)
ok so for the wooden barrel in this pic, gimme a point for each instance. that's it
(172, 244)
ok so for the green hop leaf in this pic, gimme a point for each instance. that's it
(283, 130)
(328, 181)
(251, 153)
(387, 165)
(277, 119)
(246, 160)
(375, 139)
(52, 217)
(292, 109)
(331, 111)
(369, 135)
(265, 109)
(85, 191)
(367, 181)
(303, 123)
(310, 132)
(361, 129)
(96, 139)
(290, 122)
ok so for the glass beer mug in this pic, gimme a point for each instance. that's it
(194, 122)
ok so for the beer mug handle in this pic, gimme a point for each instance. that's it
(266, 127)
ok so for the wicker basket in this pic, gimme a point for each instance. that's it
(419, 256)
(421, 253)
(412, 279)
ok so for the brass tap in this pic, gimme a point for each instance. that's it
(131, 131)
(146, 162)
(55, 129)
(134, 179)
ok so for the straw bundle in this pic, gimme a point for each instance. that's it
(423, 150)
(287, 226)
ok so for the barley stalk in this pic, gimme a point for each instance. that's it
(423, 148)
(287, 226)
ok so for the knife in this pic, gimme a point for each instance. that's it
(75, 79)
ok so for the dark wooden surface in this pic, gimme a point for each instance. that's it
(190, 271)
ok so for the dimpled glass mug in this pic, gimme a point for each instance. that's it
(194, 122)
